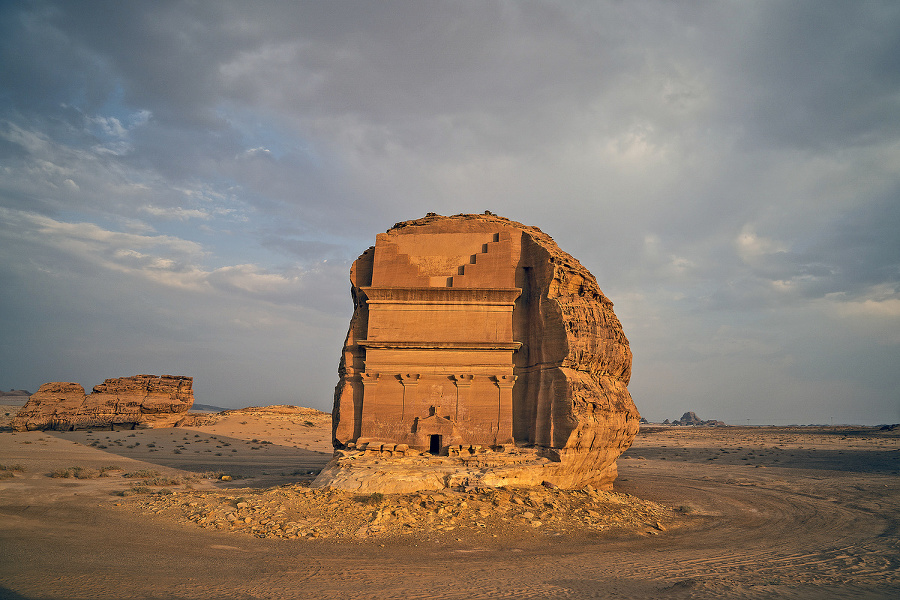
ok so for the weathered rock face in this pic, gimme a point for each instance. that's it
(474, 332)
(138, 401)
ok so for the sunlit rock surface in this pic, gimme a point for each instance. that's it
(479, 347)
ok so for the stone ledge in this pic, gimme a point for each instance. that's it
(441, 295)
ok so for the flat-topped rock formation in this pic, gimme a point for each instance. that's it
(477, 339)
(691, 418)
(138, 401)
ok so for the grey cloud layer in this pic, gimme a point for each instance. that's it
(728, 171)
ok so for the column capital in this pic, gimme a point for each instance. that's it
(504, 381)
(462, 379)
(369, 378)
(409, 378)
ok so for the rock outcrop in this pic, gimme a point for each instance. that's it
(130, 402)
(691, 418)
(478, 339)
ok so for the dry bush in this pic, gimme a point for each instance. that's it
(372, 500)
(75, 472)
(140, 489)
(135, 489)
(9, 471)
(142, 474)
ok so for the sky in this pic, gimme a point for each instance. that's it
(184, 185)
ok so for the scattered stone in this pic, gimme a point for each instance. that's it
(298, 513)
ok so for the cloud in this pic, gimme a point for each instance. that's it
(176, 213)
(162, 259)
(728, 171)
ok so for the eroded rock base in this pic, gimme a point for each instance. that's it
(397, 469)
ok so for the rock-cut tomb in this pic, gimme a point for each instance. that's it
(476, 337)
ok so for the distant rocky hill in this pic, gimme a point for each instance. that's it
(17, 393)
(207, 407)
(691, 418)
(140, 400)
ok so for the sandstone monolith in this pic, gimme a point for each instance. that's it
(479, 353)
(128, 402)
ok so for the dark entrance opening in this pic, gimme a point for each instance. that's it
(435, 445)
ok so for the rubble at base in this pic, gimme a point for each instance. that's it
(294, 512)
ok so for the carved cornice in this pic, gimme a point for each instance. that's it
(472, 346)
(441, 295)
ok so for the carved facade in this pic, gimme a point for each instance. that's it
(434, 364)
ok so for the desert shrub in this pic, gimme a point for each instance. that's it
(83, 473)
(142, 474)
(11, 468)
(75, 472)
(373, 499)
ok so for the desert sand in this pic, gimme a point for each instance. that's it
(699, 512)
